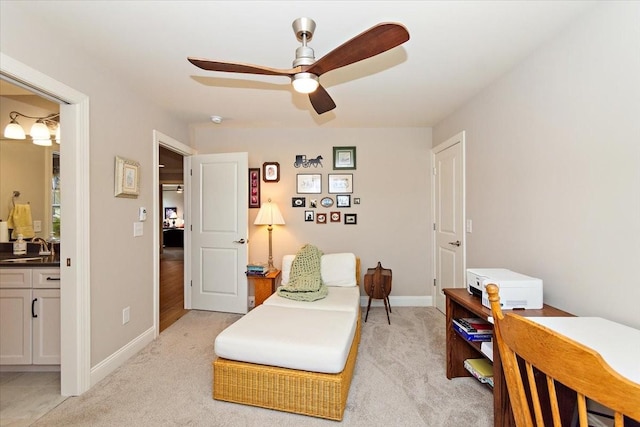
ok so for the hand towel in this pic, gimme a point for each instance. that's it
(20, 221)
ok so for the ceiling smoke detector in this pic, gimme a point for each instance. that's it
(216, 119)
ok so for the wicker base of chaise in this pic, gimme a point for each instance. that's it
(302, 392)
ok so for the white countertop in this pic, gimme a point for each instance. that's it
(619, 345)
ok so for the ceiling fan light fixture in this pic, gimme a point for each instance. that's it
(305, 82)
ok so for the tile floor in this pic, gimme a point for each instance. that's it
(26, 396)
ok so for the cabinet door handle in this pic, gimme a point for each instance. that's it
(456, 243)
(53, 278)
(33, 308)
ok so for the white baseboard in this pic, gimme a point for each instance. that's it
(399, 301)
(111, 363)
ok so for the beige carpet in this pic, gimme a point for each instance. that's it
(399, 380)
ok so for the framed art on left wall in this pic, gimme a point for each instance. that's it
(127, 179)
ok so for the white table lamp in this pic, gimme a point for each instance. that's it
(269, 215)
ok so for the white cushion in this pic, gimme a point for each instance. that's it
(339, 298)
(295, 338)
(337, 269)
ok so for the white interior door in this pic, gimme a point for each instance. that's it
(449, 216)
(219, 221)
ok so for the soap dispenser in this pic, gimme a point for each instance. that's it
(20, 246)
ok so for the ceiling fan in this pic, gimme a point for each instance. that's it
(306, 70)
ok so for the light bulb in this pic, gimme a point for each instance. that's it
(39, 130)
(305, 82)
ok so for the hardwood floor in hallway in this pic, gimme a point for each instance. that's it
(171, 286)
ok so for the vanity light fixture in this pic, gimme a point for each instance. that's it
(40, 130)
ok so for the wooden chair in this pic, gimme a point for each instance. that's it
(560, 360)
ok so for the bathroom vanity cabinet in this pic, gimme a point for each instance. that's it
(29, 316)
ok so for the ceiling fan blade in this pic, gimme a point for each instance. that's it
(374, 41)
(238, 67)
(321, 100)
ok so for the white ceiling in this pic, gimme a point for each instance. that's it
(456, 49)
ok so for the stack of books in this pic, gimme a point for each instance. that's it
(257, 269)
(482, 369)
(473, 328)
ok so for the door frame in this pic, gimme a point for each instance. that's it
(162, 140)
(457, 138)
(75, 298)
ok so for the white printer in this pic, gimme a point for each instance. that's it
(516, 290)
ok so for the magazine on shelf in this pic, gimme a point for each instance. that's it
(481, 369)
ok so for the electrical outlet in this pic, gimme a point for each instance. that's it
(125, 315)
(252, 302)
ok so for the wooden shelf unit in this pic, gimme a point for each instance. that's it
(462, 304)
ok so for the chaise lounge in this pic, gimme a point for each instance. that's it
(295, 356)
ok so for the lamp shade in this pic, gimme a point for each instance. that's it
(14, 131)
(39, 131)
(269, 214)
(44, 142)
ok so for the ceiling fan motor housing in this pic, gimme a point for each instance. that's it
(304, 28)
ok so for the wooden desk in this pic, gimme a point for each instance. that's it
(462, 304)
(264, 286)
(613, 341)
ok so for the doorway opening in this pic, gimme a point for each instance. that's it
(171, 241)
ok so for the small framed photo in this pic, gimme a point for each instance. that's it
(298, 202)
(321, 218)
(309, 183)
(344, 158)
(326, 202)
(309, 216)
(334, 216)
(127, 180)
(343, 201)
(351, 218)
(356, 200)
(271, 171)
(341, 183)
(313, 203)
(170, 213)
(254, 187)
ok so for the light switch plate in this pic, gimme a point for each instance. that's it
(37, 226)
(138, 229)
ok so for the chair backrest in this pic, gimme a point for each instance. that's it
(560, 359)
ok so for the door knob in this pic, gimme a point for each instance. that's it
(241, 241)
(456, 243)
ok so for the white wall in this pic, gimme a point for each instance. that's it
(392, 181)
(121, 123)
(553, 166)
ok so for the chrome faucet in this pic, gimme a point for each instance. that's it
(44, 248)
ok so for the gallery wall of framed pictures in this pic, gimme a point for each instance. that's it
(311, 186)
(322, 198)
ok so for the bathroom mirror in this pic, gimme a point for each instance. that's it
(31, 170)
